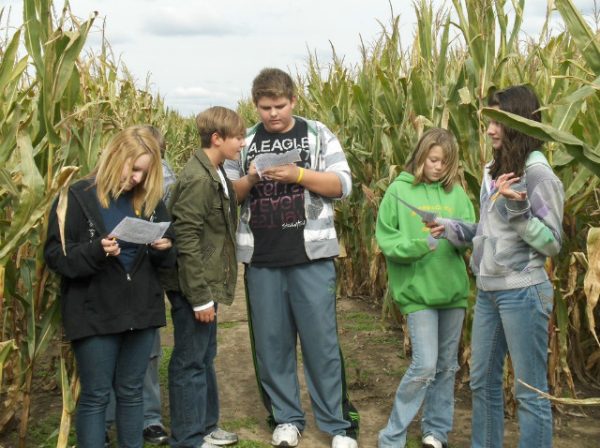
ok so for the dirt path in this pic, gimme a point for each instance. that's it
(372, 350)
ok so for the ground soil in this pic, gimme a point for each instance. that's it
(375, 363)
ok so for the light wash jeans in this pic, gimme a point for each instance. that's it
(118, 360)
(429, 381)
(514, 320)
(193, 394)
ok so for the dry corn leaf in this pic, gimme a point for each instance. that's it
(570, 401)
(591, 282)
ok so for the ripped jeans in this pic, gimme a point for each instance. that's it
(429, 381)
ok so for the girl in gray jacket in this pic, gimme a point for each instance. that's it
(520, 225)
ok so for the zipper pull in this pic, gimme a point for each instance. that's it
(128, 277)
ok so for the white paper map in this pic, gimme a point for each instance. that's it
(425, 215)
(139, 231)
(264, 161)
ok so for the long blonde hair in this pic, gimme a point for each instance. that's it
(122, 151)
(435, 137)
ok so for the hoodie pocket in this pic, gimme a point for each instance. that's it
(438, 280)
(496, 258)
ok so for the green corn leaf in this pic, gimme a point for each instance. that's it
(582, 34)
(576, 148)
(33, 35)
(7, 64)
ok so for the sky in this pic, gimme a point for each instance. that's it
(201, 53)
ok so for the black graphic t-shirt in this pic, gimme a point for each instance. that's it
(277, 217)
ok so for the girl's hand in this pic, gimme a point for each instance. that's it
(110, 246)
(162, 244)
(504, 185)
(435, 229)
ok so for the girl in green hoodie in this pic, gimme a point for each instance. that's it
(429, 283)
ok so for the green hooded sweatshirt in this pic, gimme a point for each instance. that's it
(423, 273)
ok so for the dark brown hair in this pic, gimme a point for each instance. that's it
(516, 146)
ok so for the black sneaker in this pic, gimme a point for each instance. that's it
(156, 435)
(106, 440)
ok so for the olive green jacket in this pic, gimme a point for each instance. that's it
(204, 219)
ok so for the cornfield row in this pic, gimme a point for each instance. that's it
(58, 107)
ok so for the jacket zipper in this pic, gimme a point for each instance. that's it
(129, 279)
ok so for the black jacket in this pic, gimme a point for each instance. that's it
(97, 295)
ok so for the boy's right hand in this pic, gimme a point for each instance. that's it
(206, 316)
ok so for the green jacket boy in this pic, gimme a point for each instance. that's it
(206, 263)
(203, 206)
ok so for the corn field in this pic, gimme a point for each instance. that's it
(59, 106)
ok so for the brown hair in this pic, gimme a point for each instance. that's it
(162, 144)
(516, 146)
(122, 151)
(445, 140)
(225, 122)
(272, 83)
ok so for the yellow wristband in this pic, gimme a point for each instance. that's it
(300, 176)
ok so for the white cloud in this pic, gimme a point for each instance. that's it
(196, 92)
(205, 52)
(178, 22)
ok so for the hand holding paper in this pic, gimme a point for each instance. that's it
(139, 231)
(267, 160)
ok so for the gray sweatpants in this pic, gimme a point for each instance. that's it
(284, 304)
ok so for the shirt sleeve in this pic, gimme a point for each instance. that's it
(335, 159)
(233, 169)
(396, 244)
(189, 211)
(82, 258)
(538, 219)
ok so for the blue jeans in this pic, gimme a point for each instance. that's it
(151, 390)
(429, 381)
(513, 321)
(193, 394)
(105, 362)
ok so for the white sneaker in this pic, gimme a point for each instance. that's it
(343, 442)
(220, 437)
(431, 442)
(285, 434)
(208, 445)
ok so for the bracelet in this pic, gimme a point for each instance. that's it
(300, 176)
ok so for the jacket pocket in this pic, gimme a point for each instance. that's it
(207, 250)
